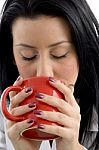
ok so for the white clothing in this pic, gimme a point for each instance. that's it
(5, 143)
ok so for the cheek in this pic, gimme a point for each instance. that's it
(24, 68)
(71, 72)
(25, 71)
(68, 71)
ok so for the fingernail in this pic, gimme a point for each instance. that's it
(30, 121)
(37, 112)
(28, 89)
(39, 95)
(40, 126)
(18, 78)
(52, 79)
(31, 105)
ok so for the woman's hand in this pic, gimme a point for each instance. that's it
(68, 117)
(15, 128)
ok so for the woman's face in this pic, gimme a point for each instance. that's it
(43, 47)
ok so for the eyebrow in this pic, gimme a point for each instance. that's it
(49, 46)
(26, 45)
(58, 43)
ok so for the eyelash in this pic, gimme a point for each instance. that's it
(55, 57)
(59, 57)
(29, 59)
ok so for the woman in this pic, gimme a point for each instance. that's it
(58, 39)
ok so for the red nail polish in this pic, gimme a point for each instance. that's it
(51, 79)
(31, 105)
(37, 112)
(40, 126)
(30, 121)
(28, 89)
(39, 95)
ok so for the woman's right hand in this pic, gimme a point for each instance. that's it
(15, 128)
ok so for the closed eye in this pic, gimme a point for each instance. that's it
(29, 58)
(61, 56)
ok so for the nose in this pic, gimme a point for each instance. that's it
(44, 68)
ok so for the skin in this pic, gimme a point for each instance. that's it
(43, 47)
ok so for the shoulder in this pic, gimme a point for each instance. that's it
(94, 121)
(90, 138)
(1, 119)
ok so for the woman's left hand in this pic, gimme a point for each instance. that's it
(68, 117)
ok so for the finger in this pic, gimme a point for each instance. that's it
(58, 117)
(16, 83)
(23, 109)
(71, 86)
(66, 90)
(60, 104)
(18, 98)
(17, 128)
(56, 130)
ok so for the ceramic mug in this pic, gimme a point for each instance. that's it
(39, 85)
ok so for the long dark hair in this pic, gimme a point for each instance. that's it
(85, 35)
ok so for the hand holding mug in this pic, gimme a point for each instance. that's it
(39, 85)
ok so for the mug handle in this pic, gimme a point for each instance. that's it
(4, 107)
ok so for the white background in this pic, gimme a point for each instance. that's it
(94, 4)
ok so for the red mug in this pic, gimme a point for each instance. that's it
(39, 85)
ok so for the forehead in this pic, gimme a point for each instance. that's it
(40, 21)
(42, 28)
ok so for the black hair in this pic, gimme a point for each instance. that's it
(85, 35)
